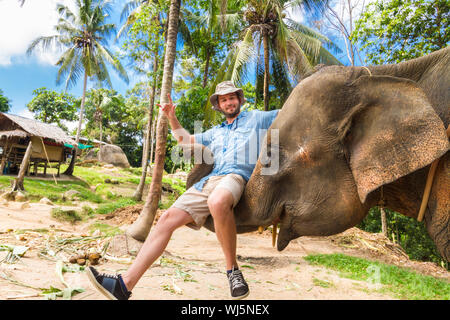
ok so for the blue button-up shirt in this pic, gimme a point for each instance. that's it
(236, 145)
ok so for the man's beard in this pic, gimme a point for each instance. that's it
(233, 114)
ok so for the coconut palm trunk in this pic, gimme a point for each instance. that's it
(140, 189)
(141, 227)
(266, 70)
(70, 168)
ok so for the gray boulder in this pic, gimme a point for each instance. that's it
(114, 155)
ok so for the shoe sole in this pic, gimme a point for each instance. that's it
(97, 285)
(241, 297)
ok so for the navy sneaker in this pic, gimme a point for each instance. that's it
(238, 286)
(111, 286)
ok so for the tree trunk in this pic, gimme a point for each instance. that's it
(18, 182)
(140, 189)
(141, 227)
(383, 222)
(205, 74)
(5, 155)
(266, 70)
(69, 170)
(101, 130)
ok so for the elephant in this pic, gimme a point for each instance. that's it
(348, 138)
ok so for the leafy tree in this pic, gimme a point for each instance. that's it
(271, 43)
(392, 31)
(53, 107)
(5, 103)
(121, 120)
(83, 34)
(99, 101)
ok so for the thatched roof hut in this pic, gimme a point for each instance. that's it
(48, 142)
(17, 126)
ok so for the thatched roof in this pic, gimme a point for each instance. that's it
(32, 127)
(13, 133)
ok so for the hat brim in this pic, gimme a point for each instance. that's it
(214, 98)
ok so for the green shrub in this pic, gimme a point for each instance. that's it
(66, 215)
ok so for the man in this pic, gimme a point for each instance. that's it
(216, 194)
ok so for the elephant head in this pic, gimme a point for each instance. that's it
(341, 137)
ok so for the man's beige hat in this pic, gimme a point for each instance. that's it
(223, 88)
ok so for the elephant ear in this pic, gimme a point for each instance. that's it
(390, 131)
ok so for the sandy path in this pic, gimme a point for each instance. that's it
(192, 266)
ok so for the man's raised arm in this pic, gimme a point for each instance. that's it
(181, 134)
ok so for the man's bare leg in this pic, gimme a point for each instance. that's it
(155, 244)
(220, 203)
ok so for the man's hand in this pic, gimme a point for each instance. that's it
(168, 108)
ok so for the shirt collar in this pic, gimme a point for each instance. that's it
(241, 115)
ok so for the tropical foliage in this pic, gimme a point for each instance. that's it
(392, 31)
(5, 103)
(53, 107)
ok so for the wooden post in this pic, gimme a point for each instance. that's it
(18, 182)
(45, 169)
(5, 156)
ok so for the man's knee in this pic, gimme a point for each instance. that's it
(170, 220)
(220, 204)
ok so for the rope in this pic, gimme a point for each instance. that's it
(48, 161)
(370, 73)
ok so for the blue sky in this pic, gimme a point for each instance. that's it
(20, 74)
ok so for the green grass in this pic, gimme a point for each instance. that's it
(66, 215)
(403, 283)
(36, 189)
(106, 208)
(323, 283)
(106, 229)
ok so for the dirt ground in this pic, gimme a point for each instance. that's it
(192, 267)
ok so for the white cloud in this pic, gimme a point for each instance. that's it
(19, 26)
(26, 114)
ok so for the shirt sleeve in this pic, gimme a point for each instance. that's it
(204, 138)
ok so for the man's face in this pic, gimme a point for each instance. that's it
(229, 104)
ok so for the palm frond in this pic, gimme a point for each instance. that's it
(108, 56)
(44, 42)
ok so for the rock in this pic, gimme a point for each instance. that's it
(108, 166)
(114, 181)
(46, 201)
(70, 194)
(4, 202)
(107, 180)
(20, 197)
(25, 205)
(113, 155)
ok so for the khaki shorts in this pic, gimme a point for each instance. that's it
(195, 202)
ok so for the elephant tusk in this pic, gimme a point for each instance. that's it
(274, 234)
(260, 229)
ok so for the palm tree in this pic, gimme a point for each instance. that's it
(289, 49)
(214, 21)
(141, 227)
(83, 34)
(100, 100)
